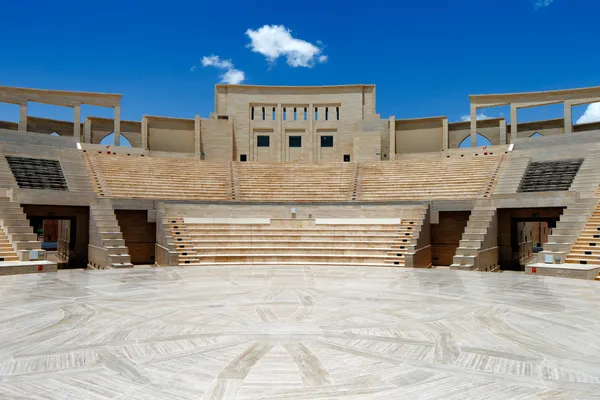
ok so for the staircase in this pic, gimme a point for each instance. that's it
(586, 249)
(403, 243)
(18, 233)
(511, 174)
(183, 241)
(107, 246)
(568, 228)
(478, 234)
(587, 179)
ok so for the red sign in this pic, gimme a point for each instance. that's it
(40, 267)
(533, 270)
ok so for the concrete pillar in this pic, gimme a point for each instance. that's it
(279, 132)
(87, 131)
(568, 118)
(445, 137)
(77, 122)
(392, 149)
(473, 125)
(503, 131)
(310, 115)
(144, 133)
(197, 142)
(513, 123)
(117, 130)
(23, 117)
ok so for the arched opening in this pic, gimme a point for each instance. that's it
(54, 134)
(481, 141)
(537, 134)
(109, 140)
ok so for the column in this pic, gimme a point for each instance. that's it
(568, 119)
(473, 125)
(279, 132)
(513, 122)
(77, 122)
(117, 130)
(23, 117)
(144, 133)
(392, 149)
(87, 131)
(445, 134)
(503, 131)
(197, 145)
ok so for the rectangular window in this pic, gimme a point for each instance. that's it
(337, 113)
(305, 113)
(273, 114)
(326, 141)
(294, 113)
(263, 111)
(243, 157)
(263, 141)
(252, 113)
(346, 157)
(326, 113)
(316, 114)
(295, 141)
(284, 114)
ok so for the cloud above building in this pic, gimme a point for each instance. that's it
(542, 3)
(591, 114)
(274, 41)
(230, 75)
(480, 116)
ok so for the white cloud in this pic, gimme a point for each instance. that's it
(480, 116)
(543, 3)
(192, 68)
(274, 41)
(591, 114)
(231, 75)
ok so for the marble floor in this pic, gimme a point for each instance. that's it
(298, 333)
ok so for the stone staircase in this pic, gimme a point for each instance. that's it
(586, 249)
(17, 231)
(587, 179)
(477, 232)
(403, 243)
(511, 174)
(568, 229)
(107, 247)
(7, 179)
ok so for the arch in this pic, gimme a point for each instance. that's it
(110, 141)
(54, 134)
(537, 134)
(481, 141)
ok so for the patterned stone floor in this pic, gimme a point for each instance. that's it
(298, 333)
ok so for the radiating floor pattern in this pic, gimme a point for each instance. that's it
(298, 333)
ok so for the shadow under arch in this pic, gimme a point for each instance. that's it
(109, 140)
(481, 141)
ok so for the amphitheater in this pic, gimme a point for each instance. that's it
(297, 245)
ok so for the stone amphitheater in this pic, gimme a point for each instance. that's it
(297, 245)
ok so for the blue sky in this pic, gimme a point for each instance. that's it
(424, 57)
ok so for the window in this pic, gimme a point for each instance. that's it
(326, 113)
(346, 157)
(326, 141)
(243, 157)
(337, 113)
(273, 115)
(316, 114)
(223, 117)
(263, 110)
(284, 114)
(263, 141)
(252, 113)
(294, 113)
(295, 141)
(305, 113)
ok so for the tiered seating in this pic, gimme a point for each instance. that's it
(586, 249)
(7, 252)
(295, 182)
(37, 173)
(159, 177)
(547, 176)
(429, 178)
(263, 243)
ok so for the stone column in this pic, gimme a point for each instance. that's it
(117, 130)
(473, 125)
(445, 134)
(197, 142)
(502, 131)
(279, 132)
(77, 122)
(392, 149)
(513, 123)
(568, 118)
(144, 133)
(87, 131)
(23, 117)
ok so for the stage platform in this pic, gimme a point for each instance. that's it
(578, 271)
(26, 267)
(297, 333)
